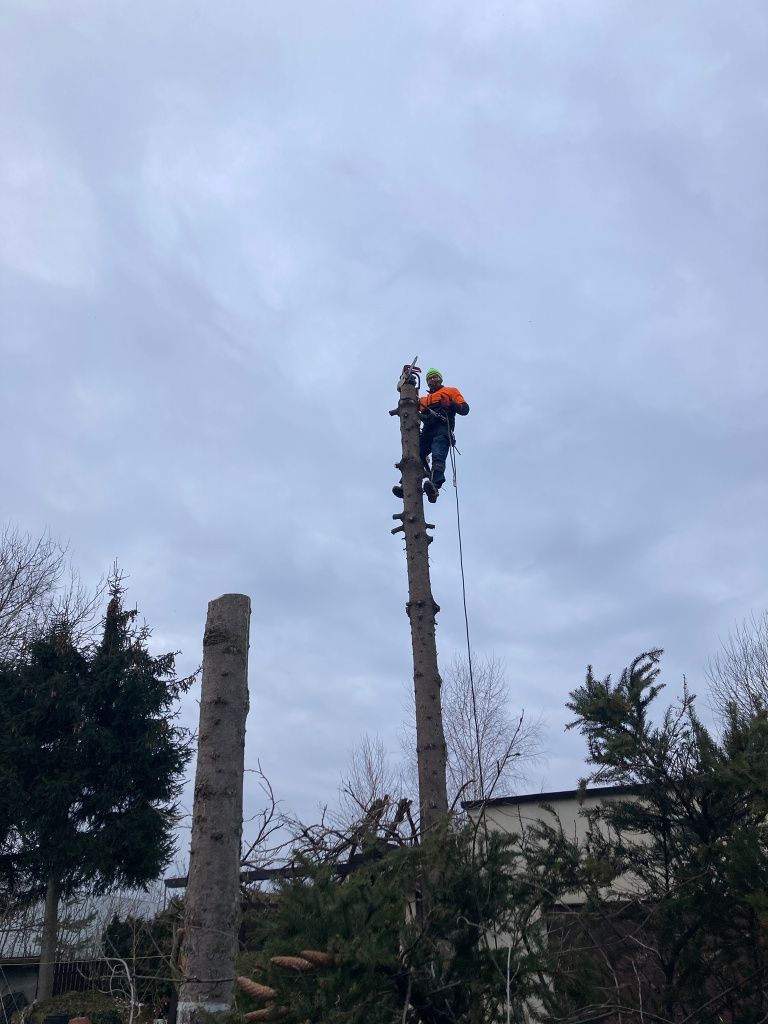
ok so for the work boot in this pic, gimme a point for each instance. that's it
(397, 490)
(431, 491)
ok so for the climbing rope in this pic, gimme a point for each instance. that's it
(452, 451)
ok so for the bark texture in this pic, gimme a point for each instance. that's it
(421, 609)
(212, 915)
(48, 940)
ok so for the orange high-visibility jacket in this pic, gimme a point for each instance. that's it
(432, 398)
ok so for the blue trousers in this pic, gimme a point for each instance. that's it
(436, 443)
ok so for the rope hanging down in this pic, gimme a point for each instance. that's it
(466, 623)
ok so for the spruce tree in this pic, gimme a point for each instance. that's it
(93, 762)
(136, 753)
(675, 873)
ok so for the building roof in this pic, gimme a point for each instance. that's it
(553, 797)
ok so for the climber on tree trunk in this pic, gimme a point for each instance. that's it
(437, 410)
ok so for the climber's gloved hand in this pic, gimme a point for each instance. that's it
(445, 401)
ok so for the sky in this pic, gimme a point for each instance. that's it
(224, 228)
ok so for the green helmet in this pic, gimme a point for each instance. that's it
(432, 372)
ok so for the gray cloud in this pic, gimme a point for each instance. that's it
(224, 231)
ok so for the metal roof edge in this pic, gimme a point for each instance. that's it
(546, 798)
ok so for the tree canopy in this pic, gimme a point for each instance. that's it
(90, 758)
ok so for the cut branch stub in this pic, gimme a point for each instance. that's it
(268, 1013)
(256, 990)
(292, 963)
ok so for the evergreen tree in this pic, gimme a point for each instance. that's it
(391, 963)
(93, 763)
(136, 754)
(675, 875)
(42, 767)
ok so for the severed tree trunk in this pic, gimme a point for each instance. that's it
(421, 609)
(48, 940)
(212, 904)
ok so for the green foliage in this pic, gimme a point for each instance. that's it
(200, 1016)
(90, 761)
(614, 719)
(674, 873)
(390, 947)
(43, 763)
(129, 724)
(109, 1016)
(96, 1005)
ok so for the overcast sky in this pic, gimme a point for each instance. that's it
(225, 227)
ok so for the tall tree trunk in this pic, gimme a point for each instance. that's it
(421, 609)
(212, 904)
(48, 940)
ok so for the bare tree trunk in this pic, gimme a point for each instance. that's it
(48, 940)
(212, 914)
(421, 609)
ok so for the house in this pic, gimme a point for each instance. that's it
(518, 814)
(513, 813)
